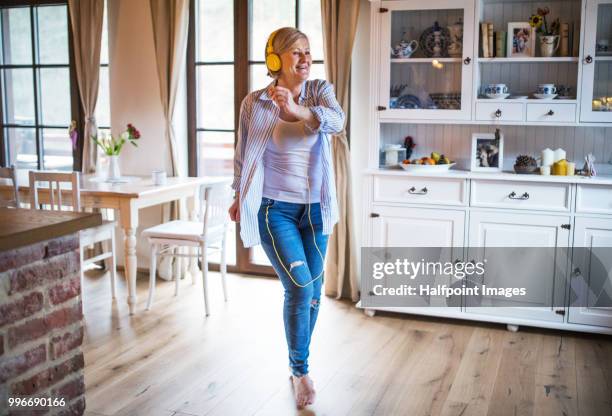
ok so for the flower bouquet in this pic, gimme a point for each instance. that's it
(549, 34)
(111, 146)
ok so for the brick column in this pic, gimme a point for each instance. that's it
(41, 327)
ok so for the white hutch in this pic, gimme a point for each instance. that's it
(461, 209)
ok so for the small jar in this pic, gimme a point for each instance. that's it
(545, 170)
(394, 154)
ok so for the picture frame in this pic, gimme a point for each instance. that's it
(520, 40)
(487, 153)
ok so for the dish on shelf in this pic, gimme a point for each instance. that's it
(408, 101)
(497, 96)
(427, 41)
(411, 167)
(446, 101)
(565, 97)
(518, 97)
(544, 96)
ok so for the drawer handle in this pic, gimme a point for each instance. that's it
(550, 113)
(498, 113)
(413, 191)
(512, 195)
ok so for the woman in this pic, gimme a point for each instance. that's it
(284, 182)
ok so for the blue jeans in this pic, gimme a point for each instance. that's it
(287, 238)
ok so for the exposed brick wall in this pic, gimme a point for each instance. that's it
(41, 327)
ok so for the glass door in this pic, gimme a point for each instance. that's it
(597, 63)
(426, 57)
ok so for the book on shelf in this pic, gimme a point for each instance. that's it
(500, 44)
(491, 41)
(484, 42)
(564, 40)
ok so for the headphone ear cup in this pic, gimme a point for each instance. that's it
(273, 62)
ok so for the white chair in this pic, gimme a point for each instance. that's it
(10, 173)
(209, 234)
(87, 237)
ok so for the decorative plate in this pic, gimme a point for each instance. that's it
(427, 41)
(408, 101)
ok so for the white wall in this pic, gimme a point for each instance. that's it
(360, 114)
(134, 98)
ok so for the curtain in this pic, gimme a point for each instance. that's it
(170, 27)
(86, 18)
(339, 18)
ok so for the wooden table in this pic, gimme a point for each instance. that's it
(128, 199)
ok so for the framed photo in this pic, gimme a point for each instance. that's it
(521, 40)
(487, 152)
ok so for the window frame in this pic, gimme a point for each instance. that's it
(75, 110)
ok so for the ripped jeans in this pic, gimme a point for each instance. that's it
(287, 238)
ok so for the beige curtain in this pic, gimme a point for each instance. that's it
(170, 27)
(86, 18)
(339, 25)
(170, 23)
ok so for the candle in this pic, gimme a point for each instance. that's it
(548, 157)
(597, 105)
(545, 170)
(559, 154)
(571, 168)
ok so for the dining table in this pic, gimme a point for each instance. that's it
(127, 197)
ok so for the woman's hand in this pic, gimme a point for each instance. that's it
(284, 100)
(234, 210)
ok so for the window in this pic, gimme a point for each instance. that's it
(36, 86)
(102, 113)
(225, 62)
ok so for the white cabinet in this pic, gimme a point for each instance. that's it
(417, 227)
(541, 271)
(422, 227)
(597, 63)
(435, 81)
(591, 282)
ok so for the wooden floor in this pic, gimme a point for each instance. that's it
(173, 361)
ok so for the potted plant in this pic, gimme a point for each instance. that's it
(111, 146)
(549, 34)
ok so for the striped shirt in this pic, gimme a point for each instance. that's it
(258, 116)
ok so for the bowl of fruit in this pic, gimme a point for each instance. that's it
(435, 162)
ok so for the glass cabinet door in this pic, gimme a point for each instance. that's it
(426, 59)
(596, 101)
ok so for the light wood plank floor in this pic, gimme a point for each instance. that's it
(173, 361)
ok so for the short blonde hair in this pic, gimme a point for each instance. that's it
(284, 39)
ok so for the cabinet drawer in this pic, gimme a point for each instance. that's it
(499, 111)
(594, 199)
(551, 112)
(521, 195)
(425, 190)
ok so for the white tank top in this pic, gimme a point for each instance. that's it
(292, 157)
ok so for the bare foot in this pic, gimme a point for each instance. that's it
(303, 390)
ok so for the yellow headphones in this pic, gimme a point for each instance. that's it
(273, 61)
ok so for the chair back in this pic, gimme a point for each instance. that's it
(215, 206)
(10, 173)
(52, 196)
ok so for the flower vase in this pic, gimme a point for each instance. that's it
(549, 45)
(114, 172)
